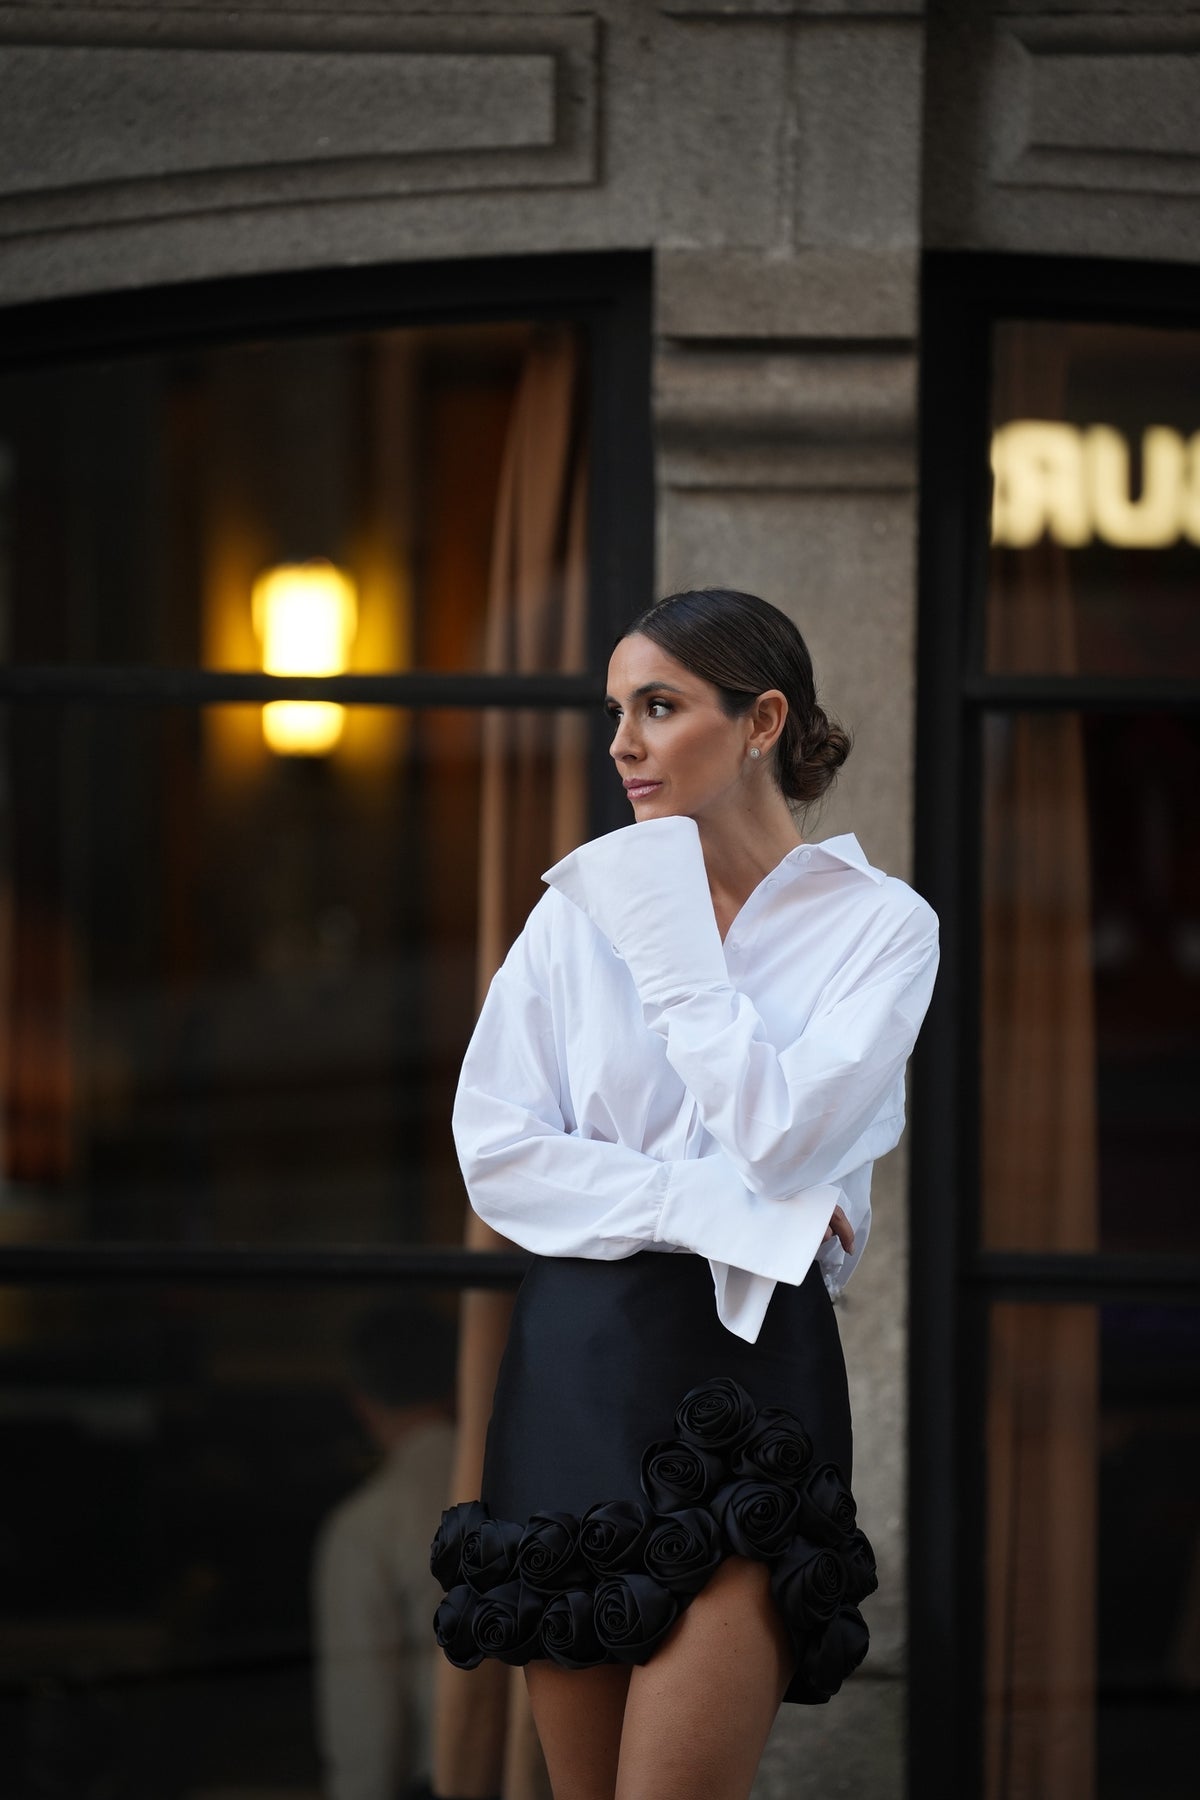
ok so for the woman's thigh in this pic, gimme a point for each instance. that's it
(579, 1715)
(698, 1714)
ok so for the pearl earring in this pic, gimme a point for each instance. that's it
(755, 754)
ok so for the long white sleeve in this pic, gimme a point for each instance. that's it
(558, 1193)
(786, 1118)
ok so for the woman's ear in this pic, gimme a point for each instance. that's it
(767, 717)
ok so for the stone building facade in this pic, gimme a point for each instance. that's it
(786, 165)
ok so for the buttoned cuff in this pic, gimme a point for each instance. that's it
(707, 1210)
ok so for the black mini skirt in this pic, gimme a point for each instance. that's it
(634, 1444)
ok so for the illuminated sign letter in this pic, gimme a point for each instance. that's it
(1152, 520)
(1038, 466)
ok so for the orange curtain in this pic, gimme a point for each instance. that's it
(1039, 1174)
(532, 813)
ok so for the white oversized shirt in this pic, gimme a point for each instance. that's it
(634, 1083)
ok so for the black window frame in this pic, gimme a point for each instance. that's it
(608, 295)
(954, 1281)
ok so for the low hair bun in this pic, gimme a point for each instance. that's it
(817, 754)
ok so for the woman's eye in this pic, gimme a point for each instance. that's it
(658, 709)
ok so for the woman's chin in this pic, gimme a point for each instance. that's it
(652, 806)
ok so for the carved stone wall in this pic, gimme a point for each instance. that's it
(1071, 129)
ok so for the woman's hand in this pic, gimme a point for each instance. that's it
(839, 1227)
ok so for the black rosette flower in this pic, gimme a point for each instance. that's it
(548, 1556)
(676, 1474)
(684, 1549)
(759, 1518)
(827, 1511)
(809, 1585)
(633, 1613)
(453, 1627)
(718, 1415)
(611, 1536)
(445, 1552)
(507, 1623)
(778, 1449)
(826, 1659)
(489, 1554)
(859, 1560)
(569, 1635)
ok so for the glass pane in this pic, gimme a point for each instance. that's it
(1095, 561)
(235, 985)
(1092, 1579)
(437, 469)
(1090, 1054)
(214, 1538)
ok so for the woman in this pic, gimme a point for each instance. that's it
(674, 1096)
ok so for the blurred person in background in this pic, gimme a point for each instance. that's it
(373, 1594)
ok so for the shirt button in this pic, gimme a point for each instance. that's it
(806, 856)
(733, 945)
(770, 884)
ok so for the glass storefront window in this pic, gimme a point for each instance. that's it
(1092, 1590)
(1091, 982)
(236, 987)
(241, 947)
(1095, 557)
(243, 938)
(214, 1536)
(142, 498)
(1056, 1332)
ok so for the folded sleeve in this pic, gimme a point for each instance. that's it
(556, 1193)
(787, 1119)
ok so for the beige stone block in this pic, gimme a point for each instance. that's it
(843, 565)
(858, 105)
(722, 106)
(815, 293)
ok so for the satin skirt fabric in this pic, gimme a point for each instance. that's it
(601, 1353)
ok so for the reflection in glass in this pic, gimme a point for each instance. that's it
(371, 1579)
(1091, 983)
(1095, 560)
(141, 497)
(236, 987)
(1092, 1672)
(186, 1474)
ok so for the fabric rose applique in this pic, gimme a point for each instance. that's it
(734, 1479)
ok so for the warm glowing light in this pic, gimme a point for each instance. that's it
(302, 727)
(305, 615)
(1073, 485)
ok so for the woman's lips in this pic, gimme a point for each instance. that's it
(637, 790)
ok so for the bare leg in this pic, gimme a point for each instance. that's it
(578, 1715)
(698, 1713)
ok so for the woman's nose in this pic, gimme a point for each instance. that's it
(624, 743)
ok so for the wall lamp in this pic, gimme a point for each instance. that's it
(305, 615)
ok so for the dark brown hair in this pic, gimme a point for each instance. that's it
(742, 645)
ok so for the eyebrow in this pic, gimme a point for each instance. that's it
(647, 687)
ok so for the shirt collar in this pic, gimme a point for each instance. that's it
(844, 852)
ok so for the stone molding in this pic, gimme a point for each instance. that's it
(740, 10)
(159, 117)
(786, 417)
(1098, 104)
(828, 292)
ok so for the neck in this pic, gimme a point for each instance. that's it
(743, 847)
